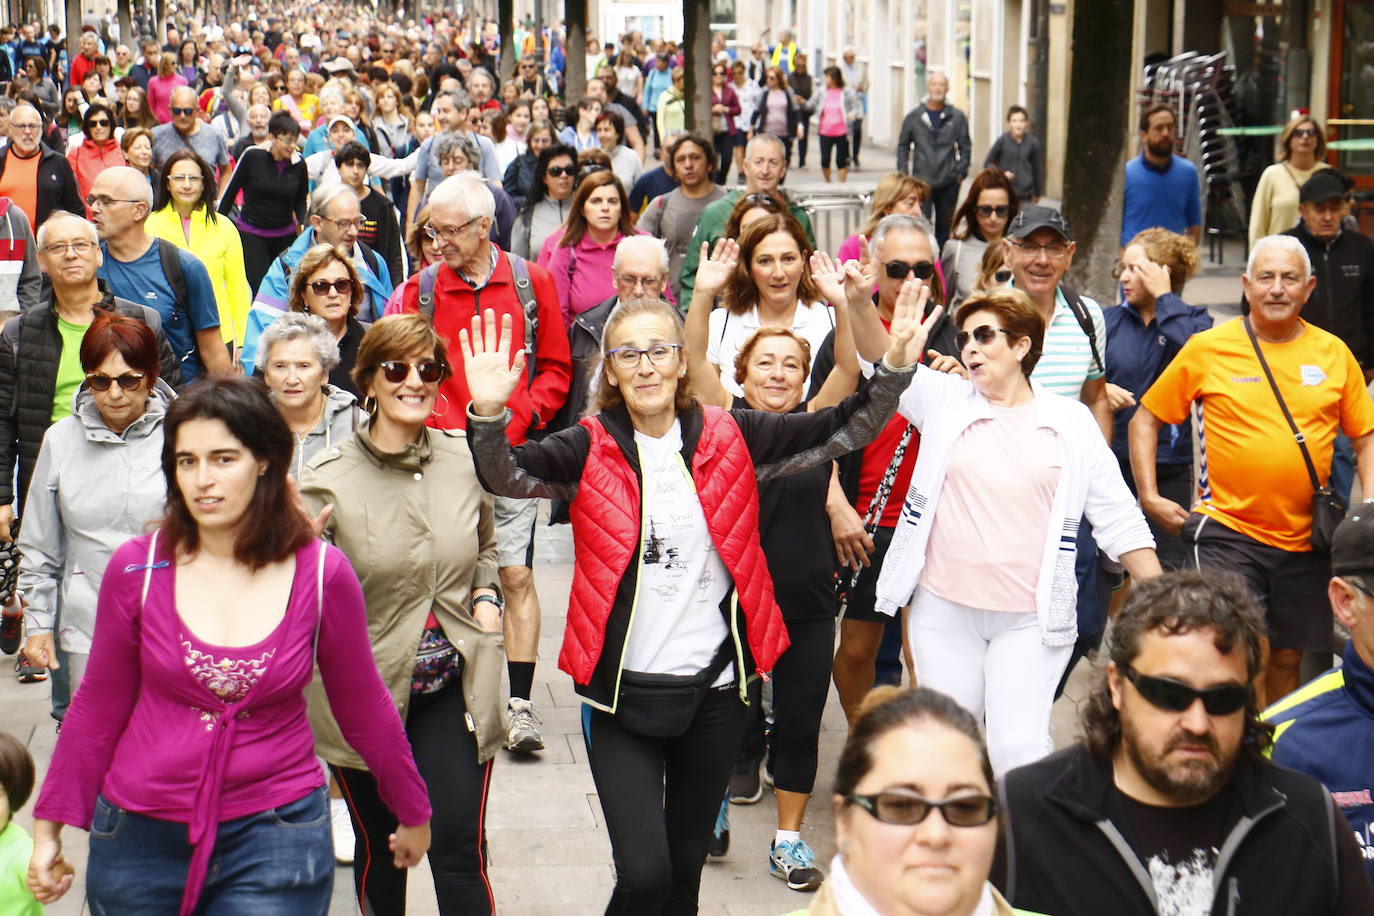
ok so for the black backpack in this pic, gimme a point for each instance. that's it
(1085, 321)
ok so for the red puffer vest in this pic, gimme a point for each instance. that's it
(606, 532)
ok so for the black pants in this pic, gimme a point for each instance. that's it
(660, 800)
(1174, 481)
(801, 682)
(840, 146)
(801, 144)
(724, 142)
(446, 755)
(258, 253)
(941, 204)
(856, 133)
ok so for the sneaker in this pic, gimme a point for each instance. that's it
(720, 834)
(10, 627)
(522, 735)
(341, 825)
(745, 788)
(794, 862)
(29, 674)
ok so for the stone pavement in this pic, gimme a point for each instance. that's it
(549, 851)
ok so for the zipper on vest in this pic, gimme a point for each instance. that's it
(639, 578)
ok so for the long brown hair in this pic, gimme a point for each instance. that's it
(274, 526)
(577, 221)
(742, 293)
(892, 187)
(966, 217)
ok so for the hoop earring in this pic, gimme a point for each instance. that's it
(370, 406)
(437, 411)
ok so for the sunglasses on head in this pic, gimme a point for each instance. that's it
(984, 334)
(343, 286)
(99, 381)
(560, 171)
(1176, 696)
(897, 270)
(398, 370)
(908, 809)
(1001, 210)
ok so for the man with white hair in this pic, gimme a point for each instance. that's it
(474, 272)
(1253, 384)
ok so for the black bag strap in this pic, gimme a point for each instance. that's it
(426, 303)
(1085, 321)
(169, 256)
(1298, 437)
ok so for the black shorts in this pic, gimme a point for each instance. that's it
(864, 595)
(1290, 585)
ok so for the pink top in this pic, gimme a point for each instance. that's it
(160, 95)
(582, 272)
(154, 734)
(988, 536)
(832, 123)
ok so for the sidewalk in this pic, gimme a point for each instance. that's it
(549, 852)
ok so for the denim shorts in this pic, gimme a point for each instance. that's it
(279, 862)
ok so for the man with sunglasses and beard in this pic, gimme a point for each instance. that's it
(1168, 804)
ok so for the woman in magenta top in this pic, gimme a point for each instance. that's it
(580, 254)
(187, 752)
(160, 87)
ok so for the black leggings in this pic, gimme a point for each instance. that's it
(446, 755)
(258, 253)
(840, 146)
(660, 800)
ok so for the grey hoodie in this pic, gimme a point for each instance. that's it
(336, 426)
(92, 490)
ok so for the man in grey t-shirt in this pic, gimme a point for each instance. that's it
(188, 131)
(673, 216)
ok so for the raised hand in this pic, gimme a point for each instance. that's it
(714, 271)
(491, 373)
(861, 275)
(829, 278)
(1155, 277)
(909, 331)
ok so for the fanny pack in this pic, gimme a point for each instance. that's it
(662, 706)
(437, 662)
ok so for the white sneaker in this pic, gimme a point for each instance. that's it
(522, 732)
(341, 826)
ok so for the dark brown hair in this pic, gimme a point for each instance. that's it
(1016, 315)
(772, 201)
(315, 258)
(394, 337)
(275, 526)
(16, 771)
(577, 220)
(742, 293)
(1153, 110)
(111, 332)
(966, 217)
(1171, 605)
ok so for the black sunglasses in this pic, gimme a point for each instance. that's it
(909, 809)
(1176, 696)
(984, 334)
(99, 381)
(897, 270)
(1305, 132)
(398, 370)
(343, 286)
(999, 210)
(181, 111)
(98, 122)
(560, 171)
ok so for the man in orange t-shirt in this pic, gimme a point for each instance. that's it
(1254, 512)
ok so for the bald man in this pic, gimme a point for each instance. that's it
(187, 129)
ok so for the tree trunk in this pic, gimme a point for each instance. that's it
(574, 51)
(505, 18)
(696, 40)
(126, 26)
(73, 22)
(1100, 112)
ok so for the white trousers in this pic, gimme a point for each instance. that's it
(994, 664)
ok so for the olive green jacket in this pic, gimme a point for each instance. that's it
(420, 533)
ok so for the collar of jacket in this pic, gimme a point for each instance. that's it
(618, 423)
(1359, 679)
(1311, 242)
(106, 302)
(85, 410)
(1082, 786)
(412, 459)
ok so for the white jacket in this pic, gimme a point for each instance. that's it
(941, 407)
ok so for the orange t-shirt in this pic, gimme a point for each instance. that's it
(19, 182)
(1253, 477)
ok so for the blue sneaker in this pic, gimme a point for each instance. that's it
(720, 834)
(794, 862)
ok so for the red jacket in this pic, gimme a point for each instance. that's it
(455, 303)
(606, 534)
(90, 159)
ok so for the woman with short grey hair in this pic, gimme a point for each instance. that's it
(298, 352)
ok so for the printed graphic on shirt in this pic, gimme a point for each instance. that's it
(1185, 888)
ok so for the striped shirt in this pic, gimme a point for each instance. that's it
(1067, 361)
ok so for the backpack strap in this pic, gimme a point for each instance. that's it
(319, 596)
(426, 300)
(170, 256)
(524, 289)
(1085, 321)
(370, 257)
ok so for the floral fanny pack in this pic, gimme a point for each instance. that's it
(437, 662)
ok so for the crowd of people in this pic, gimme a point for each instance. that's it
(310, 316)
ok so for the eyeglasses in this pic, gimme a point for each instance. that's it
(81, 246)
(1358, 585)
(1305, 132)
(999, 211)
(908, 809)
(343, 286)
(398, 370)
(629, 357)
(182, 111)
(591, 168)
(343, 225)
(1176, 696)
(1055, 251)
(18, 126)
(449, 234)
(99, 381)
(897, 270)
(646, 283)
(984, 334)
(186, 179)
(100, 201)
(560, 171)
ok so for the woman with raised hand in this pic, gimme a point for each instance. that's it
(188, 745)
(671, 592)
(410, 514)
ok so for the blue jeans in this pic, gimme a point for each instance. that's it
(279, 862)
(1343, 467)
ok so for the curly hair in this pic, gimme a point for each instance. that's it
(1171, 605)
(1174, 251)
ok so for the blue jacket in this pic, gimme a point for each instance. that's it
(1137, 354)
(274, 293)
(1326, 730)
